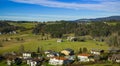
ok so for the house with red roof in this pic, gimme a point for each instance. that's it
(59, 61)
(85, 57)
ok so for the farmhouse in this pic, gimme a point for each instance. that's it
(96, 51)
(115, 58)
(72, 57)
(59, 61)
(33, 61)
(10, 60)
(71, 38)
(27, 55)
(113, 50)
(48, 51)
(68, 51)
(59, 40)
(52, 54)
(85, 57)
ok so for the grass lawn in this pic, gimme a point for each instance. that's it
(3, 63)
(106, 64)
(32, 42)
(26, 25)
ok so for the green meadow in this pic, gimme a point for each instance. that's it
(32, 42)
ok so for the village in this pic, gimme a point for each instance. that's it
(65, 57)
(32, 47)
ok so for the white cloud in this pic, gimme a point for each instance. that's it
(102, 5)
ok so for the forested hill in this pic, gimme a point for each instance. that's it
(4, 24)
(6, 28)
(95, 29)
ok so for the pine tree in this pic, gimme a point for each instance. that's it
(38, 50)
(85, 50)
(1, 45)
(21, 48)
(80, 50)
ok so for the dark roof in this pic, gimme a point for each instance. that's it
(115, 56)
(49, 51)
(54, 53)
(114, 50)
(97, 50)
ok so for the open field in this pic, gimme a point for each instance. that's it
(32, 42)
(26, 25)
(106, 64)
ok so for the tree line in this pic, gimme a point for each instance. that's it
(95, 29)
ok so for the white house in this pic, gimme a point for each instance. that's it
(33, 63)
(59, 40)
(48, 51)
(28, 61)
(84, 58)
(114, 58)
(70, 38)
(26, 55)
(96, 51)
(9, 62)
(57, 60)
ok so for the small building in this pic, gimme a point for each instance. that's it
(14, 32)
(59, 40)
(85, 57)
(57, 61)
(72, 57)
(27, 55)
(10, 59)
(114, 50)
(48, 51)
(114, 58)
(68, 51)
(53, 54)
(71, 38)
(96, 51)
(9, 62)
(33, 61)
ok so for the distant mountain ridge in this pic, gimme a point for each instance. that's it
(114, 18)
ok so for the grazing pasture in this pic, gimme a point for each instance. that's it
(32, 42)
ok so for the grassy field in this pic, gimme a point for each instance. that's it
(32, 42)
(106, 64)
(26, 25)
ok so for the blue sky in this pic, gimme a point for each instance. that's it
(51, 10)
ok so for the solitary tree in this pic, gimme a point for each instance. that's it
(85, 50)
(80, 50)
(1, 45)
(38, 50)
(21, 49)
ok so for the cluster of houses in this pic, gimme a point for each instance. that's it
(66, 56)
(11, 32)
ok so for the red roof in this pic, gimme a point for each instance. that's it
(83, 54)
(60, 58)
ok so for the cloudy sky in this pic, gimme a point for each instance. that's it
(50, 10)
